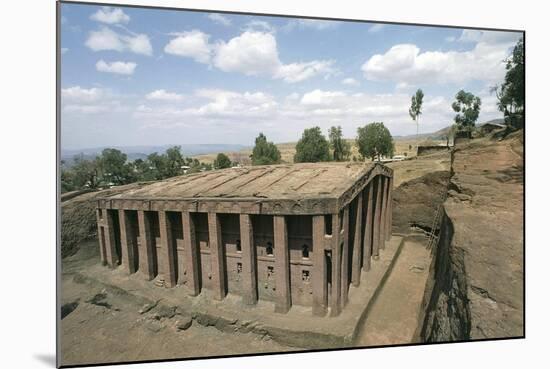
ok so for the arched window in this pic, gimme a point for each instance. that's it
(238, 244)
(269, 249)
(305, 251)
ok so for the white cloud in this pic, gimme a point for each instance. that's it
(405, 63)
(107, 39)
(117, 67)
(255, 53)
(220, 19)
(93, 100)
(350, 82)
(251, 53)
(212, 105)
(376, 28)
(225, 102)
(320, 97)
(223, 112)
(163, 95)
(79, 94)
(297, 72)
(64, 50)
(193, 44)
(110, 16)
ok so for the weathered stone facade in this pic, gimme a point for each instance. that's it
(291, 234)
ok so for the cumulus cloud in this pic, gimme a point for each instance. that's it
(350, 82)
(252, 53)
(76, 99)
(406, 63)
(163, 95)
(297, 72)
(320, 97)
(110, 16)
(230, 103)
(79, 94)
(117, 67)
(107, 39)
(220, 19)
(193, 44)
(212, 105)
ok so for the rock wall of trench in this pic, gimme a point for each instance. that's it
(446, 310)
(475, 288)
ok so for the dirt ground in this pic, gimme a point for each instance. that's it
(102, 326)
(107, 326)
(389, 322)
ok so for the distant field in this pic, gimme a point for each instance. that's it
(404, 146)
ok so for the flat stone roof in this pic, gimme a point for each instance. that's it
(289, 181)
(332, 183)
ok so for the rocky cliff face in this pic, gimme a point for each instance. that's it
(476, 289)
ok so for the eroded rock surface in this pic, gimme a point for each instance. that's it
(478, 266)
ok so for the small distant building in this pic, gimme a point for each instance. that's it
(491, 127)
(298, 234)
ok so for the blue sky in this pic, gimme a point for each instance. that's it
(133, 76)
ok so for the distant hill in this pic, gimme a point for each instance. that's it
(141, 152)
(442, 133)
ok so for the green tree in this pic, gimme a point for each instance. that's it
(222, 161)
(157, 165)
(312, 147)
(113, 167)
(416, 108)
(265, 152)
(86, 172)
(173, 163)
(341, 149)
(67, 180)
(511, 93)
(467, 107)
(143, 170)
(374, 140)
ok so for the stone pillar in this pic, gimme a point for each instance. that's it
(249, 282)
(319, 275)
(357, 238)
(345, 258)
(389, 210)
(217, 256)
(191, 252)
(146, 248)
(367, 236)
(101, 236)
(110, 243)
(382, 239)
(376, 221)
(127, 242)
(167, 257)
(336, 266)
(282, 264)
